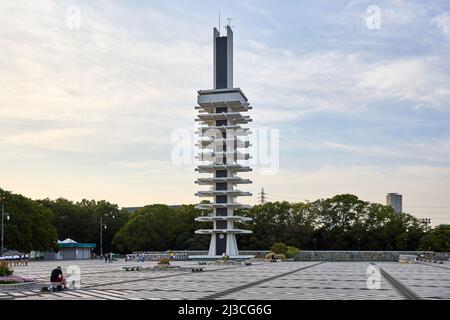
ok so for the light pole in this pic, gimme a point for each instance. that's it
(103, 226)
(406, 240)
(3, 229)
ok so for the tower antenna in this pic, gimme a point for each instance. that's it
(220, 23)
(229, 22)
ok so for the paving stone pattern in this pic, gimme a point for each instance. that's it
(307, 280)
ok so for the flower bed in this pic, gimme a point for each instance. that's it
(11, 283)
(15, 279)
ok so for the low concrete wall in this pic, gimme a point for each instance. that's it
(181, 255)
(334, 255)
(355, 255)
(441, 256)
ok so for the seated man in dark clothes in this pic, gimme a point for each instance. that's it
(58, 277)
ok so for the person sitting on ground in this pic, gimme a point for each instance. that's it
(58, 277)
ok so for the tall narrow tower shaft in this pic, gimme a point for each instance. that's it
(223, 141)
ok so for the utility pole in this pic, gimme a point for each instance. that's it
(262, 196)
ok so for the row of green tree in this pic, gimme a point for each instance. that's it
(343, 222)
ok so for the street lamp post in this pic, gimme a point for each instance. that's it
(3, 229)
(406, 240)
(101, 236)
(103, 226)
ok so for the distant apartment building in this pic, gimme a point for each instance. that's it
(395, 200)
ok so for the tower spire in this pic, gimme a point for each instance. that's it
(223, 59)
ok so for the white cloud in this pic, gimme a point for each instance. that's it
(433, 151)
(128, 77)
(442, 22)
(420, 81)
(69, 139)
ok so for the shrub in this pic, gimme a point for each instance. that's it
(278, 256)
(164, 261)
(279, 248)
(5, 271)
(281, 256)
(292, 251)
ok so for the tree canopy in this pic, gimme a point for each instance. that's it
(159, 227)
(81, 220)
(30, 226)
(343, 222)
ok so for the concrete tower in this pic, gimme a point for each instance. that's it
(223, 143)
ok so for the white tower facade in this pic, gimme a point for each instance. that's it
(223, 141)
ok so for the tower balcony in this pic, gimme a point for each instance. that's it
(232, 106)
(214, 167)
(213, 156)
(212, 218)
(210, 123)
(219, 231)
(213, 181)
(222, 97)
(213, 143)
(232, 205)
(238, 131)
(234, 193)
(232, 116)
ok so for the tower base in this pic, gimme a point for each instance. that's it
(223, 244)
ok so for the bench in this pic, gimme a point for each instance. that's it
(138, 268)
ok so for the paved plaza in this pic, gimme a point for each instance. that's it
(261, 280)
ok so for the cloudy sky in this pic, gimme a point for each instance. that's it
(89, 102)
